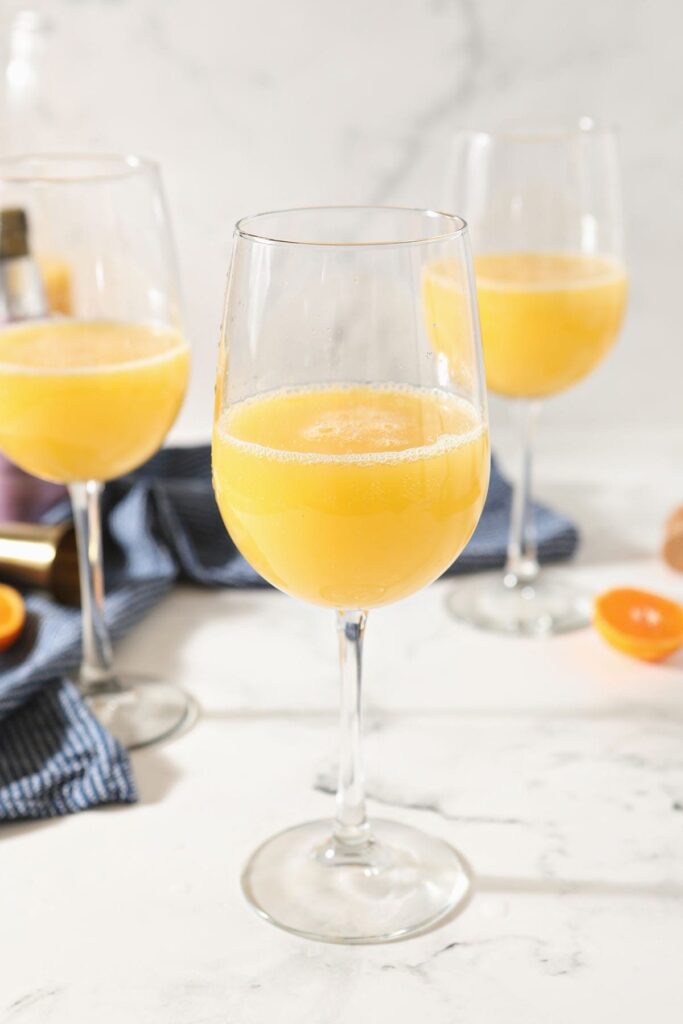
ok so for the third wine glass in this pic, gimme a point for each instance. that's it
(91, 383)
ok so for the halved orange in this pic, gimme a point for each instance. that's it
(12, 616)
(639, 623)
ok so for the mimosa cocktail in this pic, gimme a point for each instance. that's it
(84, 400)
(92, 379)
(547, 319)
(350, 467)
(353, 496)
(543, 204)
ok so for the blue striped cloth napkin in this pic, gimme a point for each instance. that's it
(161, 524)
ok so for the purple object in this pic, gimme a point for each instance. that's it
(24, 498)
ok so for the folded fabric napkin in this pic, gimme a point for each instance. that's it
(161, 524)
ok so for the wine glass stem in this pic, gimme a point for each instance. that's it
(522, 562)
(96, 666)
(351, 828)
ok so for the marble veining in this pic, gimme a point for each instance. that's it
(262, 105)
(564, 794)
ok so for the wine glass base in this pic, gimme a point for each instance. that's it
(543, 607)
(139, 710)
(399, 883)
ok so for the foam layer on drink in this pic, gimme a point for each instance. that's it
(351, 423)
(68, 346)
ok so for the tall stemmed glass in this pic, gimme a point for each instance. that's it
(350, 466)
(544, 208)
(90, 395)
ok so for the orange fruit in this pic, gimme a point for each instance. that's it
(638, 623)
(12, 616)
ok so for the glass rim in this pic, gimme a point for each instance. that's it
(550, 130)
(459, 226)
(44, 168)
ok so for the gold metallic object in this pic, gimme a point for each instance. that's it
(43, 556)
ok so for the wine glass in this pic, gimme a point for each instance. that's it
(544, 208)
(92, 382)
(350, 465)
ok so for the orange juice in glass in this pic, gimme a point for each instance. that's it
(547, 319)
(351, 497)
(88, 400)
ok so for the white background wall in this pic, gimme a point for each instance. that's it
(256, 104)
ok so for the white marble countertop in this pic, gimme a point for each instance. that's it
(556, 766)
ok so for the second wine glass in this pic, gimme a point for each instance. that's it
(544, 207)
